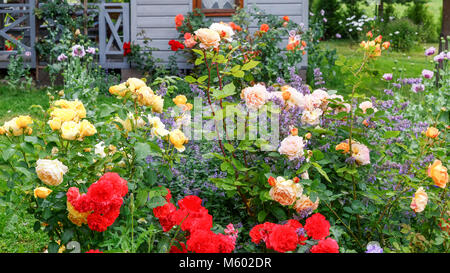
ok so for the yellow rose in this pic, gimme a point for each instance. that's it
(70, 130)
(135, 84)
(86, 129)
(2, 130)
(11, 126)
(65, 114)
(42, 192)
(145, 95)
(432, 132)
(78, 107)
(55, 123)
(118, 90)
(50, 171)
(62, 104)
(23, 121)
(208, 38)
(419, 201)
(178, 139)
(438, 173)
(157, 104)
(76, 217)
(180, 100)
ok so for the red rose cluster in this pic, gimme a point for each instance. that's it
(175, 45)
(197, 223)
(280, 238)
(102, 200)
(287, 237)
(94, 251)
(126, 48)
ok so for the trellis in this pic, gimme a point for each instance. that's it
(111, 35)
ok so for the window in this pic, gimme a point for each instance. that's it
(218, 7)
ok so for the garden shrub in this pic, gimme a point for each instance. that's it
(402, 33)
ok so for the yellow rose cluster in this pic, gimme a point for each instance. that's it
(17, 126)
(67, 116)
(143, 94)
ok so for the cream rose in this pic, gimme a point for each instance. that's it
(224, 30)
(292, 146)
(208, 38)
(50, 171)
(312, 117)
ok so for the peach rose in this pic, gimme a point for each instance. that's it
(285, 191)
(432, 132)
(208, 38)
(312, 117)
(366, 105)
(438, 173)
(305, 204)
(361, 153)
(255, 96)
(292, 146)
(419, 201)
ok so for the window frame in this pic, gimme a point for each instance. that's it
(197, 4)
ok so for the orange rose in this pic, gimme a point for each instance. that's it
(264, 28)
(344, 147)
(272, 182)
(432, 132)
(438, 173)
(419, 201)
(284, 195)
(286, 18)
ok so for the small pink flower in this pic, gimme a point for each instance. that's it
(189, 41)
(387, 76)
(427, 74)
(28, 53)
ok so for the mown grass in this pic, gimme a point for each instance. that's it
(411, 65)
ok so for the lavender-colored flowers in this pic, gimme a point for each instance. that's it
(440, 57)
(427, 74)
(62, 57)
(78, 51)
(374, 247)
(339, 36)
(387, 76)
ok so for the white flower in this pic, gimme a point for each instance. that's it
(224, 30)
(158, 128)
(312, 117)
(100, 149)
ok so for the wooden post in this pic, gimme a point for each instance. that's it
(37, 24)
(446, 18)
(85, 17)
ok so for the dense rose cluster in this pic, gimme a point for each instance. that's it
(100, 206)
(287, 237)
(195, 220)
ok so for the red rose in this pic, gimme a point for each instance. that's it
(191, 203)
(179, 20)
(94, 251)
(261, 232)
(286, 18)
(206, 241)
(298, 229)
(283, 238)
(326, 246)
(164, 211)
(175, 45)
(317, 226)
(175, 249)
(126, 48)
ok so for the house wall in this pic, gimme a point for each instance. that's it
(156, 18)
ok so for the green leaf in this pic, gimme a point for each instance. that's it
(142, 150)
(389, 134)
(278, 213)
(190, 79)
(321, 171)
(66, 236)
(262, 215)
(8, 153)
(250, 65)
(239, 74)
(156, 201)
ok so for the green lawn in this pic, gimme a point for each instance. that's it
(412, 64)
(434, 6)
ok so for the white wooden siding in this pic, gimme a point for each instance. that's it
(157, 19)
